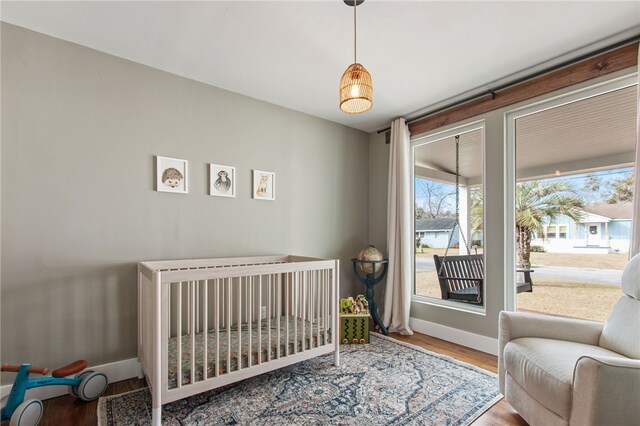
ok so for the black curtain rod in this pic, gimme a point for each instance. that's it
(493, 91)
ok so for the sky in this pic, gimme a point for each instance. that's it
(577, 181)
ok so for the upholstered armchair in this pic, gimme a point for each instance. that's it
(563, 371)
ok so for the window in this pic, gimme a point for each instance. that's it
(439, 161)
(581, 174)
(562, 231)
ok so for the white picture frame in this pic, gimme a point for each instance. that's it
(264, 185)
(172, 175)
(222, 180)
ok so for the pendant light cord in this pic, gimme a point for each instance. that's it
(355, 6)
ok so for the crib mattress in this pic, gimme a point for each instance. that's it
(289, 340)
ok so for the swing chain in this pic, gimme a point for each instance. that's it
(457, 222)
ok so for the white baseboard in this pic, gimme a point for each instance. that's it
(115, 372)
(455, 335)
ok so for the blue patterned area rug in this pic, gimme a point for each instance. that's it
(386, 382)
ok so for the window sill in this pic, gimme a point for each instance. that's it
(448, 304)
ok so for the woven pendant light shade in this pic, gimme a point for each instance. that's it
(356, 90)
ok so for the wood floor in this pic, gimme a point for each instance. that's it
(67, 410)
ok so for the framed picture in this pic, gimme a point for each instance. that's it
(264, 185)
(171, 175)
(222, 180)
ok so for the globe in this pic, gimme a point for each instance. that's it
(370, 253)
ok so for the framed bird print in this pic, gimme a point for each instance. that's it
(222, 180)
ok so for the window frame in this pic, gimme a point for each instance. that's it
(425, 139)
(510, 117)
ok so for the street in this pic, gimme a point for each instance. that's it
(562, 273)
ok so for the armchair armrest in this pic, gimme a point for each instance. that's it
(513, 325)
(605, 391)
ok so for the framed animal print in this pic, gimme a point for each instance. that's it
(222, 180)
(264, 185)
(172, 175)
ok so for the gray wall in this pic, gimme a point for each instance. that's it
(79, 132)
(494, 216)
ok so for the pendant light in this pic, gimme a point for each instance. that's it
(356, 87)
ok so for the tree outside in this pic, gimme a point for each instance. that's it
(621, 190)
(435, 200)
(535, 201)
(606, 187)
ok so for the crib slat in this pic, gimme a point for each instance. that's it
(269, 307)
(310, 306)
(196, 306)
(239, 324)
(193, 288)
(205, 329)
(223, 304)
(249, 320)
(319, 300)
(286, 309)
(303, 324)
(311, 310)
(325, 282)
(216, 325)
(278, 312)
(179, 336)
(312, 289)
(296, 306)
(228, 325)
(260, 320)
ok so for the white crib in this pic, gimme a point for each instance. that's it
(206, 323)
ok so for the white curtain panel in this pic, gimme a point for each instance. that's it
(635, 235)
(397, 303)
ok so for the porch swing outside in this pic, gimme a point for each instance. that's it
(461, 277)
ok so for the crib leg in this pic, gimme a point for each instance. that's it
(156, 416)
(336, 360)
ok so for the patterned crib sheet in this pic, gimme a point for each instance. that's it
(290, 340)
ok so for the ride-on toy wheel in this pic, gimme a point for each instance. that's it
(73, 390)
(92, 386)
(27, 414)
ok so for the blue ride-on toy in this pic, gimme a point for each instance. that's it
(86, 385)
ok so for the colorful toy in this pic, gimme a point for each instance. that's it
(359, 305)
(87, 385)
(354, 328)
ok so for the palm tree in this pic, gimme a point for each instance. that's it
(535, 201)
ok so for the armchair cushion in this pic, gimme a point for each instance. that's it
(621, 332)
(522, 324)
(631, 278)
(545, 368)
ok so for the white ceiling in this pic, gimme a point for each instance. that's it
(420, 54)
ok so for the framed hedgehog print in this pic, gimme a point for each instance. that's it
(222, 180)
(171, 175)
(264, 185)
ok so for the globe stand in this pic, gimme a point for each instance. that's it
(370, 280)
